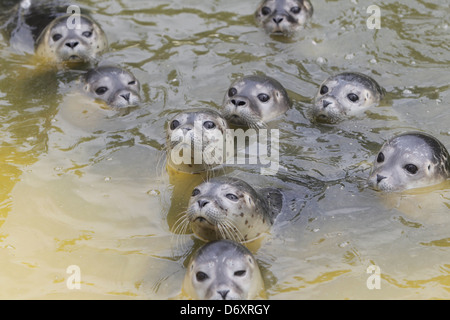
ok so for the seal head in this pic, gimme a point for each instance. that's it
(223, 270)
(253, 100)
(344, 95)
(117, 87)
(63, 41)
(229, 208)
(283, 17)
(410, 160)
(195, 140)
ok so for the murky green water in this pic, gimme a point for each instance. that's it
(84, 186)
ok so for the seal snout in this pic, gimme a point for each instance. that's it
(239, 102)
(72, 44)
(380, 177)
(223, 293)
(278, 19)
(202, 203)
(326, 103)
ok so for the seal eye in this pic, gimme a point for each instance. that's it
(265, 11)
(201, 276)
(132, 83)
(352, 97)
(240, 273)
(296, 10)
(57, 36)
(87, 34)
(196, 192)
(411, 168)
(263, 97)
(380, 157)
(101, 90)
(232, 197)
(323, 90)
(174, 124)
(232, 92)
(209, 125)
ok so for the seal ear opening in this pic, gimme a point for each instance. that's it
(274, 198)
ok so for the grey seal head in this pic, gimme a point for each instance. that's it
(59, 43)
(344, 95)
(253, 100)
(194, 139)
(116, 86)
(223, 270)
(283, 17)
(410, 160)
(229, 208)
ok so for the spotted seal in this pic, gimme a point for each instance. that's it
(115, 86)
(283, 17)
(229, 208)
(410, 160)
(194, 139)
(223, 270)
(344, 95)
(45, 27)
(253, 100)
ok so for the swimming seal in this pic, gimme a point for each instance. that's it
(410, 160)
(223, 270)
(253, 100)
(283, 17)
(194, 139)
(229, 208)
(45, 28)
(344, 95)
(117, 87)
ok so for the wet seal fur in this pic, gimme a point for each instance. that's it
(229, 208)
(410, 160)
(115, 86)
(344, 95)
(251, 101)
(283, 17)
(182, 134)
(223, 270)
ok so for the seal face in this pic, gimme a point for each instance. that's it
(253, 100)
(223, 270)
(283, 17)
(229, 208)
(117, 87)
(59, 42)
(410, 160)
(345, 94)
(195, 140)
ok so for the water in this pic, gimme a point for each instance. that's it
(83, 186)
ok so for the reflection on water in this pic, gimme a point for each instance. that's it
(83, 185)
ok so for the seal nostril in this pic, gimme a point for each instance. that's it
(326, 103)
(223, 293)
(126, 96)
(202, 203)
(380, 177)
(72, 44)
(277, 20)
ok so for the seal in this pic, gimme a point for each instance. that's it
(59, 43)
(45, 28)
(223, 270)
(229, 208)
(283, 17)
(344, 95)
(116, 86)
(194, 139)
(253, 100)
(410, 160)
